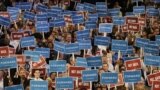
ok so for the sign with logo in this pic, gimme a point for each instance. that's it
(27, 41)
(119, 45)
(38, 85)
(105, 27)
(141, 42)
(156, 85)
(76, 71)
(109, 78)
(153, 77)
(57, 66)
(8, 63)
(131, 20)
(134, 27)
(71, 48)
(81, 62)
(152, 60)
(4, 21)
(103, 41)
(64, 83)
(133, 64)
(4, 51)
(89, 75)
(84, 44)
(94, 61)
(59, 46)
(17, 35)
(132, 76)
(44, 52)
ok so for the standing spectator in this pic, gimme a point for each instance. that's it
(2, 6)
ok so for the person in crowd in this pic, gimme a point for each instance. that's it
(51, 81)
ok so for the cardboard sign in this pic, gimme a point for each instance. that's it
(81, 62)
(89, 75)
(17, 35)
(4, 51)
(102, 14)
(44, 52)
(153, 77)
(59, 46)
(51, 13)
(12, 51)
(38, 85)
(115, 12)
(156, 85)
(71, 48)
(13, 12)
(29, 15)
(24, 5)
(64, 83)
(77, 19)
(27, 41)
(94, 61)
(41, 8)
(151, 49)
(89, 7)
(132, 76)
(76, 71)
(4, 21)
(138, 9)
(124, 28)
(42, 17)
(84, 44)
(103, 41)
(133, 64)
(133, 27)
(15, 87)
(33, 54)
(93, 17)
(39, 64)
(57, 66)
(152, 12)
(90, 25)
(79, 7)
(119, 45)
(118, 20)
(4, 14)
(131, 20)
(141, 42)
(59, 22)
(101, 6)
(152, 60)
(105, 27)
(42, 72)
(21, 59)
(142, 21)
(109, 78)
(8, 63)
(84, 34)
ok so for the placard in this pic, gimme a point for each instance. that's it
(57, 66)
(59, 22)
(23, 5)
(82, 85)
(141, 42)
(101, 6)
(158, 39)
(118, 20)
(29, 15)
(59, 46)
(131, 20)
(4, 51)
(114, 12)
(124, 28)
(17, 35)
(152, 12)
(119, 45)
(138, 9)
(71, 48)
(44, 52)
(12, 51)
(15, 87)
(21, 59)
(84, 44)
(64, 83)
(42, 27)
(142, 21)
(5, 21)
(78, 19)
(84, 34)
(27, 41)
(52, 13)
(6, 63)
(109, 78)
(132, 76)
(79, 7)
(41, 8)
(76, 71)
(41, 17)
(33, 54)
(152, 60)
(103, 41)
(156, 85)
(90, 25)
(151, 49)
(38, 85)
(13, 12)
(81, 62)
(93, 17)
(95, 61)
(153, 77)
(133, 64)
(135, 27)
(105, 27)
(89, 75)
(89, 7)
(39, 64)
(4, 14)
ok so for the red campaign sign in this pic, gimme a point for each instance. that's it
(12, 51)
(4, 51)
(142, 21)
(4, 14)
(133, 27)
(131, 20)
(133, 64)
(76, 71)
(17, 35)
(21, 59)
(42, 72)
(26, 33)
(153, 77)
(81, 84)
(125, 28)
(37, 65)
(120, 81)
(107, 19)
(156, 85)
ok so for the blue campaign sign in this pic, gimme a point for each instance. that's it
(109, 78)
(64, 83)
(158, 39)
(52, 14)
(136, 1)
(141, 42)
(42, 26)
(41, 8)
(57, 9)
(44, 52)
(103, 41)
(105, 27)
(89, 7)
(42, 17)
(81, 62)
(59, 46)
(24, 5)
(152, 60)
(79, 7)
(93, 17)
(33, 54)
(29, 15)
(57, 66)
(151, 49)
(129, 58)
(129, 14)
(84, 34)
(8, 63)
(13, 12)
(89, 75)
(71, 48)
(152, 12)
(117, 45)
(59, 22)
(132, 76)
(139, 9)
(38, 85)
(102, 14)
(119, 20)
(15, 87)
(114, 11)
(90, 25)
(4, 21)
(101, 6)
(130, 50)
(94, 61)
(156, 1)
(27, 41)
(84, 44)
(78, 19)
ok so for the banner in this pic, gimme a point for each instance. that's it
(89, 75)
(5, 21)
(33, 54)
(101, 6)
(109, 78)
(119, 45)
(103, 41)
(141, 42)
(156, 85)
(71, 48)
(105, 27)
(81, 62)
(84, 44)
(15, 87)
(38, 85)
(76, 71)
(4, 51)
(64, 83)
(6, 63)
(90, 25)
(84, 34)
(29, 15)
(78, 19)
(57, 66)
(118, 20)
(132, 76)
(93, 17)
(27, 41)
(152, 60)
(153, 77)
(133, 64)
(135, 27)
(151, 49)
(17, 35)
(95, 61)
(59, 46)
(44, 52)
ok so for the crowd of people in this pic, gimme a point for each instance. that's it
(67, 34)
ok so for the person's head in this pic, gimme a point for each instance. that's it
(68, 38)
(52, 75)
(37, 74)
(105, 67)
(22, 73)
(72, 61)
